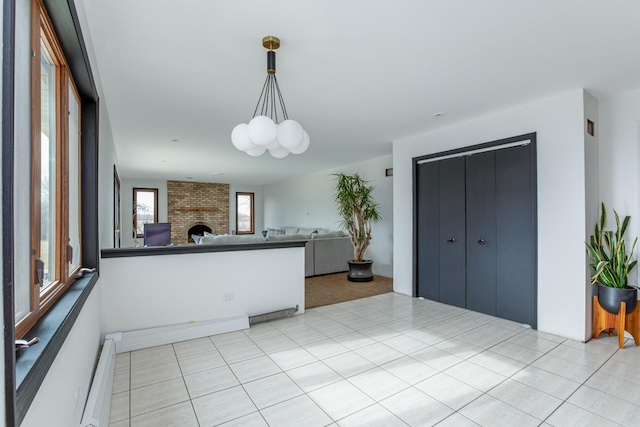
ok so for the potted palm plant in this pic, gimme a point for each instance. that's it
(612, 264)
(358, 209)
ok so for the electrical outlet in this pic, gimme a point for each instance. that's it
(228, 297)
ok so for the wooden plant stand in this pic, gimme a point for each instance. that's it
(621, 322)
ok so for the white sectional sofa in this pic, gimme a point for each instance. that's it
(326, 251)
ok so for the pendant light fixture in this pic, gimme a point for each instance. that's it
(265, 131)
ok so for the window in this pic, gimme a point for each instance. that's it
(244, 213)
(55, 171)
(145, 208)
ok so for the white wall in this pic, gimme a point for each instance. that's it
(558, 122)
(61, 397)
(592, 193)
(149, 291)
(107, 158)
(619, 137)
(308, 201)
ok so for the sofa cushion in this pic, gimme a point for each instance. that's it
(307, 231)
(274, 232)
(289, 230)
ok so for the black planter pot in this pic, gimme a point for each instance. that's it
(360, 271)
(610, 298)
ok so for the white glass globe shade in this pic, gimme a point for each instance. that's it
(240, 138)
(262, 130)
(290, 134)
(303, 145)
(255, 152)
(273, 144)
(279, 153)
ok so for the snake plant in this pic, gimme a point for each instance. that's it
(608, 253)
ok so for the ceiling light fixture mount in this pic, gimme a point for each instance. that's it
(265, 131)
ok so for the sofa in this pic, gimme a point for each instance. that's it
(326, 251)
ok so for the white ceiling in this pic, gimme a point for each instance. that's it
(356, 74)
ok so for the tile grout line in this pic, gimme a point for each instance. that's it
(184, 381)
(394, 333)
(584, 384)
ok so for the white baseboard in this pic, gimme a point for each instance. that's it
(145, 338)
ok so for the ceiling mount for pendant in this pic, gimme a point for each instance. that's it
(271, 43)
(264, 131)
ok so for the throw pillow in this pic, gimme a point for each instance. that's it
(274, 232)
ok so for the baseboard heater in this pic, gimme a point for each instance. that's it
(96, 410)
(145, 338)
(274, 315)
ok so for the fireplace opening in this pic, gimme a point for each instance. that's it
(198, 230)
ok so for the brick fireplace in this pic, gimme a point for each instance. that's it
(196, 206)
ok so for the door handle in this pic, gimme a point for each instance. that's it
(450, 240)
(482, 242)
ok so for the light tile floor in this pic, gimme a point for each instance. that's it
(388, 360)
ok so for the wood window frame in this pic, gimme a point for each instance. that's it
(42, 33)
(253, 219)
(135, 208)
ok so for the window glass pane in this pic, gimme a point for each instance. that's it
(22, 298)
(74, 179)
(48, 194)
(145, 202)
(244, 213)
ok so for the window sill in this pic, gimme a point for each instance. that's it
(32, 364)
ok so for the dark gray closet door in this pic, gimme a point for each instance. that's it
(476, 232)
(428, 228)
(451, 176)
(481, 232)
(515, 233)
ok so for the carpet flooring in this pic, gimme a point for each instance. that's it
(335, 288)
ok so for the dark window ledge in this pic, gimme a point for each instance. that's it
(32, 364)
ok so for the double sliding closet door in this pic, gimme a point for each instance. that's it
(476, 232)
